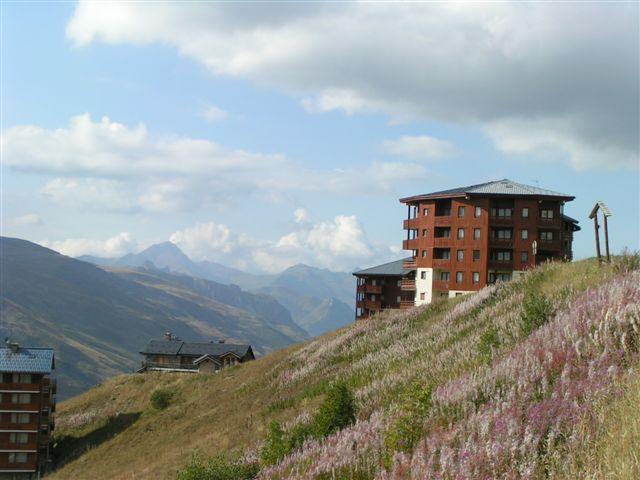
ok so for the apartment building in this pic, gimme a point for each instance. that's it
(27, 406)
(465, 238)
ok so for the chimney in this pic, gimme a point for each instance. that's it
(167, 335)
(14, 347)
(221, 340)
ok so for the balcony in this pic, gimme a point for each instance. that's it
(22, 387)
(408, 285)
(549, 222)
(495, 220)
(442, 220)
(372, 305)
(442, 241)
(169, 366)
(501, 264)
(549, 245)
(404, 304)
(410, 264)
(411, 244)
(366, 288)
(501, 242)
(441, 262)
(441, 285)
(410, 224)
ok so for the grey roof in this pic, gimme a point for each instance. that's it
(390, 269)
(27, 360)
(497, 187)
(195, 349)
(204, 357)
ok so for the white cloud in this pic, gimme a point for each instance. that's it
(110, 166)
(498, 66)
(115, 246)
(28, 220)
(214, 114)
(205, 241)
(419, 147)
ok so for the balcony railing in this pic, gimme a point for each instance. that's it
(372, 305)
(366, 288)
(410, 264)
(441, 262)
(501, 242)
(496, 220)
(501, 264)
(409, 224)
(408, 285)
(441, 285)
(411, 244)
(171, 366)
(404, 304)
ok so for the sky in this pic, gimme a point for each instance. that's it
(261, 135)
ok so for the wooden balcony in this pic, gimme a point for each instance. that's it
(441, 262)
(169, 366)
(501, 264)
(552, 223)
(366, 288)
(495, 220)
(408, 285)
(410, 264)
(501, 243)
(442, 220)
(442, 241)
(404, 304)
(372, 305)
(20, 387)
(411, 244)
(441, 285)
(409, 224)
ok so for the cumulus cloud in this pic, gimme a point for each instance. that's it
(419, 147)
(115, 246)
(28, 220)
(337, 244)
(503, 67)
(214, 114)
(107, 165)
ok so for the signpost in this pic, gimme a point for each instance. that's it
(606, 213)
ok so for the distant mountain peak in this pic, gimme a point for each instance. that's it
(164, 248)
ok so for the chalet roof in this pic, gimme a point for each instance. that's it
(201, 359)
(386, 269)
(195, 349)
(573, 221)
(497, 187)
(27, 360)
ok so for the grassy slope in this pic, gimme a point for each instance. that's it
(230, 411)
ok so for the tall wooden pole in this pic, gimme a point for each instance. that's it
(606, 239)
(595, 226)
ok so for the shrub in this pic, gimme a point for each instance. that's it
(161, 398)
(276, 445)
(489, 341)
(407, 429)
(338, 410)
(218, 468)
(627, 261)
(536, 311)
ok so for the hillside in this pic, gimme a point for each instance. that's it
(512, 382)
(98, 320)
(319, 300)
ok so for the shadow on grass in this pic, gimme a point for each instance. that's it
(70, 447)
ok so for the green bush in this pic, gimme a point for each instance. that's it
(276, 445)
(537, 309)
(489, 341)
(338, 410)
(408, 427)
(218, 468)
(161, 398)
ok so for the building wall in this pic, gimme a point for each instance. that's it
(424, 286)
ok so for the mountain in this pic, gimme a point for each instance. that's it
(98, 320)
(317, 298)
(535, 378)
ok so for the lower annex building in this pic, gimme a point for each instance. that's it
(464, 238)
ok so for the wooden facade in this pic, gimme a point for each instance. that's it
(27, 407)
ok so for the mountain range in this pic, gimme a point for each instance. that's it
(98, 319)
(319, 300)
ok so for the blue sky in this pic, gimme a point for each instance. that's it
(316, 127)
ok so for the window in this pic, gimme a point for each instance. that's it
(424, 253)
(501, 212)
(476, 233)
(374, 282)
(503, 277)
(502, 234)
(478, 212)
(398, 298)
(461, 211)
(525, 234)
(476, 255)
(423, 275)
(458, 277)
(524, 257)
(424, 232)
(444, 276)
(21, 398)
(525, 212)
(476, 277)
(458, 294)
(19, 417)
(460, 255)
(546, 236)
(398, 283)
(425, 212)
(461, 233)
(20, 438)
(422, 295)
(21, 378)
(373, 297)
(546, 214)
(503, 256)
(18, 457)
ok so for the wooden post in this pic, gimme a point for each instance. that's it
(595, 226)
(606, 239)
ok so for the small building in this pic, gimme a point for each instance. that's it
(174, 355)
(27, 406)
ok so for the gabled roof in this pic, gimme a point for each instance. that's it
(497, 187)
(195, 349)
(574, 223)
(386, 269)
(201, 359)
(27, 360)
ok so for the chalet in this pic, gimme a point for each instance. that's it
(465, 238)
(27, 405)
(174, 355)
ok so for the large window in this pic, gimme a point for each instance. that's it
(21, 378)
(476, 233)
(546, 236)
(461, 211)
(18, 457)
(476, 277)
(478, 212)
(20, 417)
(501, 212)
(503, 255)
(502, 234)
(461, 233)
(444, 276)
(20, 438)
(546, 214)
(22, 398)
(460, 255)
(458, 277)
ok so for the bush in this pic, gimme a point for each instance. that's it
(407, 430)
(161, 398)
(536, 311)
(627, 261)
(489, 341)
(276, 446)
(218, 468)
(336, 412)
